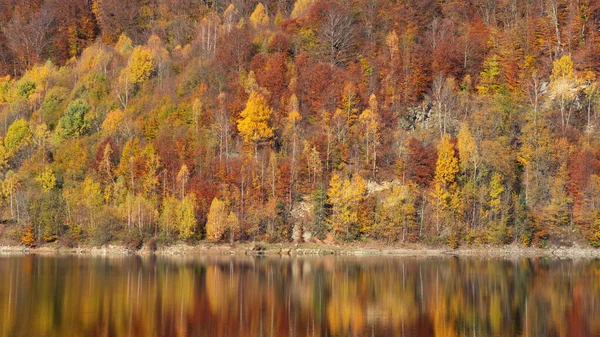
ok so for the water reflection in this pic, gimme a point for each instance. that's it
(329, 296)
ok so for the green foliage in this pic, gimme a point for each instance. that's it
(318, 226)
(73, 123)
(48, 214)
(18, 136)
(25, 87)
(51, 107)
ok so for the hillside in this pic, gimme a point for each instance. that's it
(439, 122)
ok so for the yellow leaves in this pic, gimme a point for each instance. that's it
(467, 147)
(490, 76)
(391, 41)
(259, 17)
(18, 136)
(496, 190)
(233, 224)
(5, 85)
(140, 65)
(95, 58)
(216, 220)
(294, 114)
(187, 217)
(113, 120)
(254, 122)
(447, 164)
(46, 179)
(562, 69)
(91, 193)
(4, 155)
(300, 7)
(124, 45)
(445, 192)
(346, 197)
(182, 177)
(28, 238)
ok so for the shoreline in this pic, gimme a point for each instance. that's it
(289, 249)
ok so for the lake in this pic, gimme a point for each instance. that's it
(312, 296)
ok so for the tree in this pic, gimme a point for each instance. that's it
(346, 198)
(47, 179)
(91, 194)
(233, 225)
(28, 32)
(253, 124)
(259, 17)
(318, 226)
(187, 217)
(17, 137)
(169, 215)
(182, 178)
(337, 33)
(445, 178)
(141, 65)
(73, 123)
(216, 220)
(398, 214)
(370, 123)
(563, 84)
(300, 8)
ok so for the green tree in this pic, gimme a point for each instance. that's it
(18, 136)
(73, 123)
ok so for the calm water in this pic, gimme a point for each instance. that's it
(327, 296)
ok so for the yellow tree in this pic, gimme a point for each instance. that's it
(91, 197)
(370, 122)
(469, 163)
(216, 220)
(187, 216)
(445, 177)
(47, 179)
(141, 65)
(498, 233)
(346, 198)
(233, 224)
(254, 122)
(563, 83)
(168, 216)
(291, 131)
(259, 18)
(182, 178)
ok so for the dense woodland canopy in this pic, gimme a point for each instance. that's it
(454, 122)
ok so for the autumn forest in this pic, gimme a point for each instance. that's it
(407, 121)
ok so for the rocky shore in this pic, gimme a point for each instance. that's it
(259, 249)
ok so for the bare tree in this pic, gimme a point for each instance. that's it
(28, 34)
(337, 34)
(444, 101)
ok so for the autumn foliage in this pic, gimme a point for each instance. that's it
(441, 122)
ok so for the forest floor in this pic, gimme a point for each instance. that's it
(311, 249)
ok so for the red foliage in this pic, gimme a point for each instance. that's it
(420, 166)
